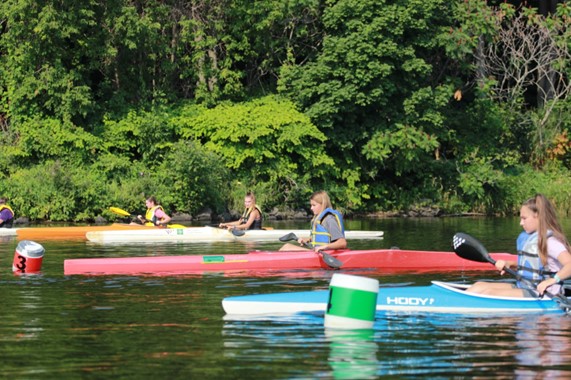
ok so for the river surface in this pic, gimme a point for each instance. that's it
(142, 327)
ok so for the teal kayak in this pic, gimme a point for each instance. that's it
(439, 297)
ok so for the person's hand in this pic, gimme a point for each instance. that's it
(500, 265)
(543, 285)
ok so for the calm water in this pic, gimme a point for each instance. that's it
(130, 327)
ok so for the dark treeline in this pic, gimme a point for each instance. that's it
(461, 106)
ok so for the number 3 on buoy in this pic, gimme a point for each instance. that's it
(28, 257)
(22, 265)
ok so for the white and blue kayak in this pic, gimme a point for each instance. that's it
(440, 297)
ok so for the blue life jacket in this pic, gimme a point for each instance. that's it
(529, 265)
(319, 235)
(521, 240)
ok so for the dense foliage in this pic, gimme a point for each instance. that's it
(388, 105)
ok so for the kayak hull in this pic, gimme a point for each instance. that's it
(388, 259)
(64, 233)
(207, 234)
(440, 297)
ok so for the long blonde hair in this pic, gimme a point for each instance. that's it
(322, 198)
(547, 217)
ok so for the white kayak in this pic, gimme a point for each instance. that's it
(8, 231)
(207, 234)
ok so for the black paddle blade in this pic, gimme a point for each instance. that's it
(236, 232)
(470, 248)
(289, 237)
(331, 261)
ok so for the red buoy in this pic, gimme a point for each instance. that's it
(28, 257)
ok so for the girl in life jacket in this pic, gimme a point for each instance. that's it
(327, 228)
(6, 214)
(544, 260)
(251, 218)
(155, 215)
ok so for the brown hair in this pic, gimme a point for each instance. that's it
(547, 217)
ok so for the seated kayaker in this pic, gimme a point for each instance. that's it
(155, 215)
(6, 214)
(327, 228)
(251, 219)
(544, 260)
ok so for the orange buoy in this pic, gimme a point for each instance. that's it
(28, 257)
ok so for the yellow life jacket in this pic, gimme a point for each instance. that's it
(150, 216)
(257, 225)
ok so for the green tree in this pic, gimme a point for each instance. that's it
(376, 85)
(265, 140)
(48, 51)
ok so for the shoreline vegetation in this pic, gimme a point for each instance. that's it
(411, 109)
(276, 216)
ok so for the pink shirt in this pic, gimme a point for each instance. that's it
(160, 213)
(554, 249)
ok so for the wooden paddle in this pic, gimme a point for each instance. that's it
(118, 211)
(327, 258)
(470, 248)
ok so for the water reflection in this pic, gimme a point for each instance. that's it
(404, 344)
(544, 344)
(352, 353)
(30, 303)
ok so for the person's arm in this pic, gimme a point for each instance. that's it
(337, 244)
(562, 274)
(231, 224)
(338, 240)
(162, 217)
(166, 220)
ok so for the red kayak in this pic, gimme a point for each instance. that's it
(389, 259)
